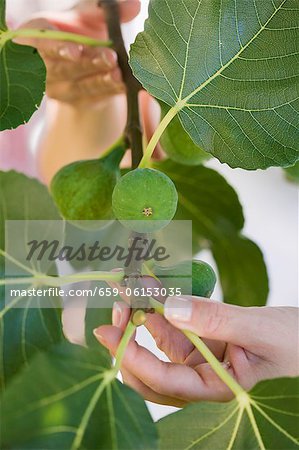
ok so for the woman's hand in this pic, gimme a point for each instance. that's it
(87, 111)
(78, 74)
(253, 344)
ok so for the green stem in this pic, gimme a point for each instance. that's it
(208, 355)
(214, 363)
(156, 137)
(56, 35)
(129, 331)
(255, 427)
(68, 279)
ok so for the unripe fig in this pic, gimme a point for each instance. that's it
(144, 200)
(83, 190)
(203, 278)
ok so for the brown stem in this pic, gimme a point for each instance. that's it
(133, 130)
(133, 272)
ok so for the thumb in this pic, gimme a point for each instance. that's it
(214, 320)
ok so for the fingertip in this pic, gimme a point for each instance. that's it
(120, 314)
(108, 335)
(129, 9)
(97, 332)
(105, 59)
(117, 314)
(70, 51)
(178, 310)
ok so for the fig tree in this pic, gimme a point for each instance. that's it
(144, 200)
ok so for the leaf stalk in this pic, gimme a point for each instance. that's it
(129, 331)
(47, 280)
(52, 34)
(145, 161)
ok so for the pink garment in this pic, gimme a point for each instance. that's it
(14, 153)
(16, 149)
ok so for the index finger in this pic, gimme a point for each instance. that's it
(162, 377)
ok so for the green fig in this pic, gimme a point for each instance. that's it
(144, 200)
(83, 190)
(179, 276)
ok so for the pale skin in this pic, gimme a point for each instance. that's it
(253, 344)
(86, 114)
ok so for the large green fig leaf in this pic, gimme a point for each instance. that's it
(273, 424)
(22, 80)
(205, 198)
(94, 318)
(217, 220)
(230, 70)
(23, 331)
(2, 15)
(67, 399)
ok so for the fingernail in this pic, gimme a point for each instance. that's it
(116, 314)
(71, 52)
(97, 61)
(65, 53)
(107, 78)
(178, 309)
(104, 59)
(109, 58)
(107, 61)
(97, 333)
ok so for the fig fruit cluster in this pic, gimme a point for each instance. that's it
(143, 200)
